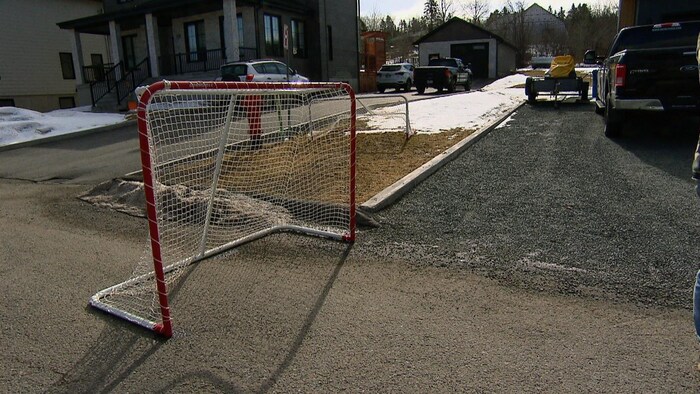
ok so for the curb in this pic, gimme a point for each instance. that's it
(394, 192)
(67, 136)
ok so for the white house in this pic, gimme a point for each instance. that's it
(38, 68)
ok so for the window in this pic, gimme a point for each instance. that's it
(330, 43)
(7, 102)
(298, 38)
(67, 65)
(129, 51)
(195, 43)
(66, 102)
(273, 44)
(239, 24)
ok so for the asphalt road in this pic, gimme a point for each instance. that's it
(545, 258)
(85, 159)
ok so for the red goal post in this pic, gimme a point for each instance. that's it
(225, 163)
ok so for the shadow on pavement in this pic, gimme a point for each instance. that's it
(240, 319)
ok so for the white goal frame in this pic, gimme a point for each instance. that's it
(160, 268)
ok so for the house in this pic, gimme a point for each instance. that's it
(38, 66)
(536, 31)
(489, 55)
(191, 39)
(647, 12)
(546, 32)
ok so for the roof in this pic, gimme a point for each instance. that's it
(461, 23)
(99, 24)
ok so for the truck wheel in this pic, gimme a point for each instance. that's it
(613, 126)
(439, 89)
(451, 86)
(420, 89)
(599, 110)
(381, 89)
(468, 85)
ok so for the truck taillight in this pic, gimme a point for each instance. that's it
(448, 73)
(249, 77)
(620, 75)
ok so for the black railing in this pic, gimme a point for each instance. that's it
(209, 60)
(182, 63)
(96, 72)
(131, 80)
(246, 53)
(100, 88)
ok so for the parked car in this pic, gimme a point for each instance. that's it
(650, 68)
(398, 76)
(260, 71)
(443, 73)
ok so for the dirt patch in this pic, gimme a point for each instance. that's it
(384, 158)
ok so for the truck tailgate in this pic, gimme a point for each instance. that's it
(670, 74)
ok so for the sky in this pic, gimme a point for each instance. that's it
(405, 9)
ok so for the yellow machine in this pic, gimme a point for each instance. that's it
(561, 67)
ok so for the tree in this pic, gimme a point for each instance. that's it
(510, 24)
(430, 13)
(373, 20)
(475, 11)
(444, 11)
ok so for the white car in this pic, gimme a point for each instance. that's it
(260, 71)
(398, 76)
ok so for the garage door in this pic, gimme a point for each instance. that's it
(475, 54)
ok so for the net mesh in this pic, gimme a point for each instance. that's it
(231, 165)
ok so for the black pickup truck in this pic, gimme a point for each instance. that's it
(649, 68)
(444, 73)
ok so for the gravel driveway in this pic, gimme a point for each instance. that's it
(548, 202)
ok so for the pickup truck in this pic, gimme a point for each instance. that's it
(649, 68)
(443, 73)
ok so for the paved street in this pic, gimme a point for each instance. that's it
(87, 159)
(545, 258)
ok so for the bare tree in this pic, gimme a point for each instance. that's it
(476, 10)
(444, 11)
(373, 20)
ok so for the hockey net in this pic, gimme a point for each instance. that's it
(226, 163)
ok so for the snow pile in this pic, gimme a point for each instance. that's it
(472, 110)
(19, 125)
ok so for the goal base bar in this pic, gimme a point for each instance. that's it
(165, 329)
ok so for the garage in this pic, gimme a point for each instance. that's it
(490, 56)
(475, 54)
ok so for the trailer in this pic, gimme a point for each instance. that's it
(560, 81)
(557, 88)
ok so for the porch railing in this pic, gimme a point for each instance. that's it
(132, 79)
(209, 60)
(246, 53)
(100, 88)
(96, 72)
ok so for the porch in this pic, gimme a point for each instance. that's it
(162, 40)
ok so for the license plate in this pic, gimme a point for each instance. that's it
(429, 81)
